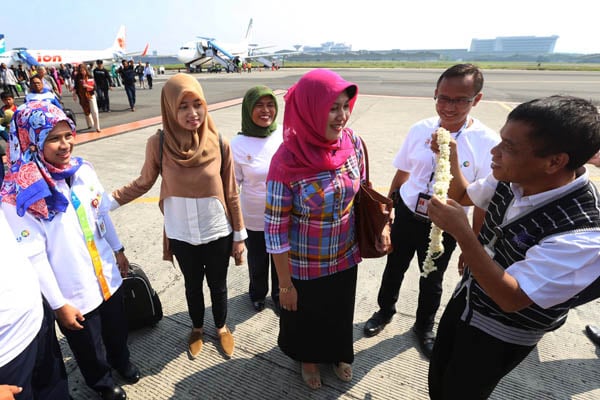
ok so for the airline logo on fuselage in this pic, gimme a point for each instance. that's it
(48, 58)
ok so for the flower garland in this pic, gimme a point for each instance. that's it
(440, 190)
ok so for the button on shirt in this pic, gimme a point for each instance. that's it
(313, 219)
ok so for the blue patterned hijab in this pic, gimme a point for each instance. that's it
(30, 184)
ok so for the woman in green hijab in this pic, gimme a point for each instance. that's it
(252, 148)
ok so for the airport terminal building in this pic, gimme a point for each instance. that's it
(515, 45)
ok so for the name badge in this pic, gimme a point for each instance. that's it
(101, 226)
(422, 205)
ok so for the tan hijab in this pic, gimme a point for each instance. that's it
(187, 148)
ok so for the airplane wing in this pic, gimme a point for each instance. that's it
(270, 55)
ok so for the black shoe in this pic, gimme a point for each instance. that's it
(114, 393)
(131, 373)
(375, 324)
(258, 305)
(426, 339)
(593, 333)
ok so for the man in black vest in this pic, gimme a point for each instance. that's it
(536, 253)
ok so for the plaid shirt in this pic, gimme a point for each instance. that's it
(313, 219)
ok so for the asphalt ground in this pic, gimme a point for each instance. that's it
(564, 365)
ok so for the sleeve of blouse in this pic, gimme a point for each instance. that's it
(148, 175)
(230, 187)
(277, 217)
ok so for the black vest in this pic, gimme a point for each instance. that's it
(577, 210)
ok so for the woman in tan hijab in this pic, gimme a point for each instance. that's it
(199, 199)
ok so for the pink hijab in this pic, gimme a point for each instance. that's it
(305, 151)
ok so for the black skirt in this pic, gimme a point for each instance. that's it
(320, 331)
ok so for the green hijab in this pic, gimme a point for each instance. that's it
(249, 128)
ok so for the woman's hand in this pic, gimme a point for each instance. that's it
(7, 392)
(288, 298)
(237, 252)
(385, 241)
(123, 263)
(69, 317)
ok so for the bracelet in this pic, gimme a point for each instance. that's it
(121, 250)
(286, 289)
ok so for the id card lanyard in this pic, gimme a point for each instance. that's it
(91, 244)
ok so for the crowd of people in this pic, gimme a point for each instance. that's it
(286, 197)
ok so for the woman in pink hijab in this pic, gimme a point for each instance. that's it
(309, 224)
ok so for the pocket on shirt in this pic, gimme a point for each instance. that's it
(313, 195)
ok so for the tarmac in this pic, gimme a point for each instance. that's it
(564, 365)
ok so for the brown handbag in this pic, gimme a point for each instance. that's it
(372, 212)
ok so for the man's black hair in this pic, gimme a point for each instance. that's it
(561, 124)
(462, 70)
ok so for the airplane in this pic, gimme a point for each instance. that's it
(50, 58)
(204, 49)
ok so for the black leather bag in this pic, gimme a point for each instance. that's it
(372, 212)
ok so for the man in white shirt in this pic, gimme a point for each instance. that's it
(458, 90)
(537, 250)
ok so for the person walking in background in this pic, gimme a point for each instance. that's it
(103, 85)
(139, 71)
(48, 80)
(115, 75)
(458, 90)
(52, 71)
(22, 79)
(149, 74)
(56, 205)
(252, 148)
(199, 198)
(83, 89)
(8, 80)
(128, 76)
(537, 250)
(65, 74)
(309, 224)
(6, 114)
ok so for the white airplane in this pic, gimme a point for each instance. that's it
(204, 49)
(56, 57)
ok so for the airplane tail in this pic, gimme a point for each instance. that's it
(249, 30)
(2, 44)
(119, 45)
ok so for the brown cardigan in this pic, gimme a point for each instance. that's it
(193, 182)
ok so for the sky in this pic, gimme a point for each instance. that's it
(364, 24)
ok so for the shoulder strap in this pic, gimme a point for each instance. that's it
(366, 160)
(161, 133)
(221, 149)
(362, 160)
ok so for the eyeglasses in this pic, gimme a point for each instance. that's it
(461, 102)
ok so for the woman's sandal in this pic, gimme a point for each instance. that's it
(312, 379)
(343, 371)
